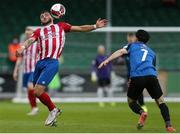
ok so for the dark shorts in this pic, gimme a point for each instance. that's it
(104, 82)
(45, 71)
(27, 78)
(138, 84)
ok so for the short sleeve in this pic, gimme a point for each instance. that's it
(65, 26)
(127, 47)
(36, 34)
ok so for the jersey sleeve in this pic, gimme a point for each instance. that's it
(65, 26)
(127, 47)
(36, 34)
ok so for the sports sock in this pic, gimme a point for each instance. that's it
(45, 99)
(136, 108)
(165, 114)
(141, 100)
(109, 92)
(100, 92)
(32, 98)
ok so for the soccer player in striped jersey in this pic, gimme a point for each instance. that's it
(28, 60)
(51, 39)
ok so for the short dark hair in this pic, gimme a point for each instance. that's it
(142, 36)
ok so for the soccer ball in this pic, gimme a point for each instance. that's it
(58, 10)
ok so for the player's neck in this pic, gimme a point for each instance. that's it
(50, 23)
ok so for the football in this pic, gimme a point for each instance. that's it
(58, 10)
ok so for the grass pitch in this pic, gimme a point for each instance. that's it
(85, 118)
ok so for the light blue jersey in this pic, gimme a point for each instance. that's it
(141, 60)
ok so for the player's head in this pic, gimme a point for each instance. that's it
(131, 37)
(142, 36)
(46, 18)
(28, 32)
(101, 50)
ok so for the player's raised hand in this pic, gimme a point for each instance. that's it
(19, 51)
(101, 23)
(104, 63)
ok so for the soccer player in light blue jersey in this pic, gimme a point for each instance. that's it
(131, 37)
(143, 74)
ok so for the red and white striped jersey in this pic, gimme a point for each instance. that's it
(51, 39)
(30, 58)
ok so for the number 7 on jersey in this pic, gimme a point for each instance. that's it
(144, 54)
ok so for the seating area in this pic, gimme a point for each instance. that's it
(144, 13)
(16, 15)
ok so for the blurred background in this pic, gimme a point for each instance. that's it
(160, 16)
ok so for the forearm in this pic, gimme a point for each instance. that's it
(87, 28)
(28, 42)
(115, 55)
(83, 28)
(25, 45)
(17, 65)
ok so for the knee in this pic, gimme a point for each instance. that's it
(130, 101)
(30, 86)
(38, 90)
(160, 100)
(37, 93)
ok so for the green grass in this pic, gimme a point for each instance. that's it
(87, 117)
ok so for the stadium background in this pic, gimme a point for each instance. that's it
(80, 48)
(75, 70)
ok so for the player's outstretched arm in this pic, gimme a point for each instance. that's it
(24, 46)
(116, 54)
(87, 28)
